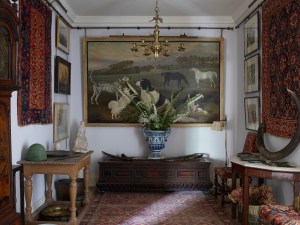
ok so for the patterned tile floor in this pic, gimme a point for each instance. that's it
(157, 208)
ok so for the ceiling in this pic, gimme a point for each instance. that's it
(87, 13)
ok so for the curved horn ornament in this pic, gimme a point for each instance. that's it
(287, 150)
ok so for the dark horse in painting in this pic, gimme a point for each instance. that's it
(174, 76)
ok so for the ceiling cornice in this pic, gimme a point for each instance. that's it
(141, 21)
(244, 11)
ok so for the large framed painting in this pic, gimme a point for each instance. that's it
(251, 34)
(61, 122)
(107, 62)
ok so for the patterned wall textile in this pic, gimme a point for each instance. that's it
(281, 65)
(34, 97)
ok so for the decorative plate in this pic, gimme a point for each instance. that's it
(59, 153)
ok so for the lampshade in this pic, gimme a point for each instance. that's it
(216, 126)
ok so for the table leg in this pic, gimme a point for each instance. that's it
(86, 185)
(49, 188)
(233, 205)
(297, 188)
(245, 199)
(73, 192)
(28, 196)
(22, 194)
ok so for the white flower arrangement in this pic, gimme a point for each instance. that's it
(160, 118)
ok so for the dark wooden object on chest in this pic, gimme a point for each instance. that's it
(157, 175)
(8, 67)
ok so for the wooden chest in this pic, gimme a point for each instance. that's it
(145, 175)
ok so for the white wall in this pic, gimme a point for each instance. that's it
(128, 140)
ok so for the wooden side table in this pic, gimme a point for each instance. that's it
(56, 165)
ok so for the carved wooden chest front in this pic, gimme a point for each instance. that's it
(145, 175)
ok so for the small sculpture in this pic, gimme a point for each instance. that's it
(81, 144)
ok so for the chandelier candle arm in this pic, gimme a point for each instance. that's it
(156, 47)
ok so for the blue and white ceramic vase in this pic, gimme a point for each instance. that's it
(156, 140)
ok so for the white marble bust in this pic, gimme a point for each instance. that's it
(81, 144)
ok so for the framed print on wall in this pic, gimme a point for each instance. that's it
(62, 79)
(251, 34)
(252, 74)
(61, 122)
(198, 69)
(252, 113)
(62, 35)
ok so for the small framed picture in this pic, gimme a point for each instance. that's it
(252, 113)
(251, 34)
(61, 122)
(62, 35)
(62, 78)
(252, 74)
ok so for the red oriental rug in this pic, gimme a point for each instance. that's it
(149, 208)
(281, 65)
(34, 96)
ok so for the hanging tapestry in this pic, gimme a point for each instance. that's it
(34, 96)
(281, 65)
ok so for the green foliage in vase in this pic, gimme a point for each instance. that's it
(158, 118)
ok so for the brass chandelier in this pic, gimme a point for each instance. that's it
(155, 47)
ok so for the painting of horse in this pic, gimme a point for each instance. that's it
(179, 77)
(199, 75)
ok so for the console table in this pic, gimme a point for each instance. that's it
(54, 165)
(145, 175)
(259, 170)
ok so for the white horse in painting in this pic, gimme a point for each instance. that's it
(199, 75)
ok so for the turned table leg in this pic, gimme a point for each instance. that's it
(28, 196)
(73, 192)
(49, 188)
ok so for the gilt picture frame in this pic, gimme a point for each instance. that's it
(61, 122)
(252, 113)
(62, 35)
(251, 34)
(62, 78)
(252, 74)
(107, 60)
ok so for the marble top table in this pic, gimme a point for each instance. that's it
(259, 170)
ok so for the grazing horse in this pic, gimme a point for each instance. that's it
(199, 75)
(174, 76)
